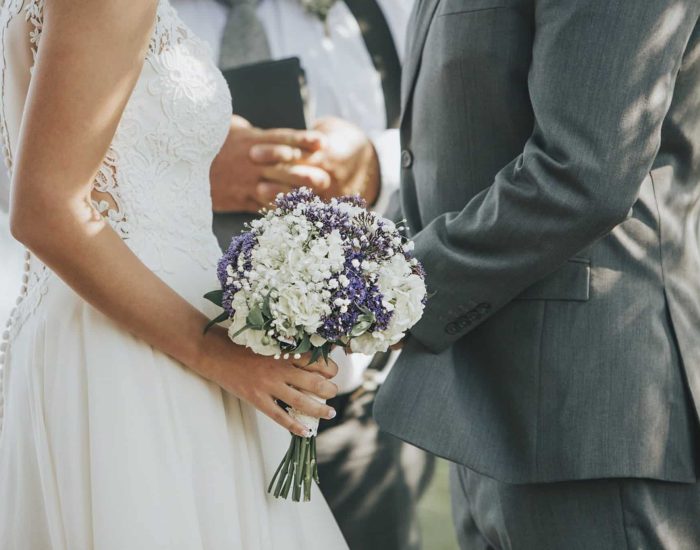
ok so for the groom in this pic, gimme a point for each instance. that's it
(551, 178)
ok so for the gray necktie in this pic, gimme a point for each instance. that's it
(244, 40)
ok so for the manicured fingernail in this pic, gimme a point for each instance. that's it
(332, 414)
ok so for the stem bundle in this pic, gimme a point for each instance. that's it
(298, 469)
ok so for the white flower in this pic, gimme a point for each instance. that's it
(317, 341)
(256, 340)
(294, 271)
(370, 343)
(403, 291)
(299, 308)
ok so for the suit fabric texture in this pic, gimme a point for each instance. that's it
(551, 181)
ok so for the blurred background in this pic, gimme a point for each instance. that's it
(434, 512)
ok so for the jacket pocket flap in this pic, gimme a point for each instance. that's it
(448, 7)
(570, 282)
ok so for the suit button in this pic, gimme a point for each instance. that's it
(453, 328)
(406, 158)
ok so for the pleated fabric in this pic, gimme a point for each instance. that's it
(109, 444)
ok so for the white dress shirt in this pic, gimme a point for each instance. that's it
(341, 78)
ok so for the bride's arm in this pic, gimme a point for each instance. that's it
(90, 57)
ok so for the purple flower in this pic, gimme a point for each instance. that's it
(241, 246)
(287, 203)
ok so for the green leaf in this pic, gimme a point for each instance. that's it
(241, 331)
(255, 319)
(315, 355)
(215, 297)
(220, 319)
(326, 349)
(304, 346)
(360, 328)
(266, 307)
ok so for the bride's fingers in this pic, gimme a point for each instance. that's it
(270, 408)
(311, 382)
(326, 369)
(305, 404)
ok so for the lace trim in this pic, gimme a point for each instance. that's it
(105, 195)
(168, 30)
(34, 14)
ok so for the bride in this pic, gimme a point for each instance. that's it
(124, 426)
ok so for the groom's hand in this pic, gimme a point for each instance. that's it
(235, 176)
(345, 155)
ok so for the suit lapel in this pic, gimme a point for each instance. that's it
(418, 28)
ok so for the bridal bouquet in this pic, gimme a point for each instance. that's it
(312, 275)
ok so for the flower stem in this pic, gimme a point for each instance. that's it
(315, 462)
(292, 467)
(298, 469)
(283, 464)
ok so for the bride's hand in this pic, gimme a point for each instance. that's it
(261, 381)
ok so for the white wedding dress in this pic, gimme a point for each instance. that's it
(105, 442)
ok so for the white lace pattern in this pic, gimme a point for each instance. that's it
(153, 186)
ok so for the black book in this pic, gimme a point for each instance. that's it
(269, 94)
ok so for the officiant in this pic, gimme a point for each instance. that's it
(350, 55)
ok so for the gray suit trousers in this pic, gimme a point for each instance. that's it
(608, 514)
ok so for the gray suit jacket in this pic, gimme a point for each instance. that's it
(551, 178)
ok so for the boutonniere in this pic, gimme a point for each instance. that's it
(319, 8)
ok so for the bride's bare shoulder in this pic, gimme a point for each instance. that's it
(90, 19)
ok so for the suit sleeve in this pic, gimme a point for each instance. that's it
(600, 84)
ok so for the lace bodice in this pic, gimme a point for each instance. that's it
(153, 186)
